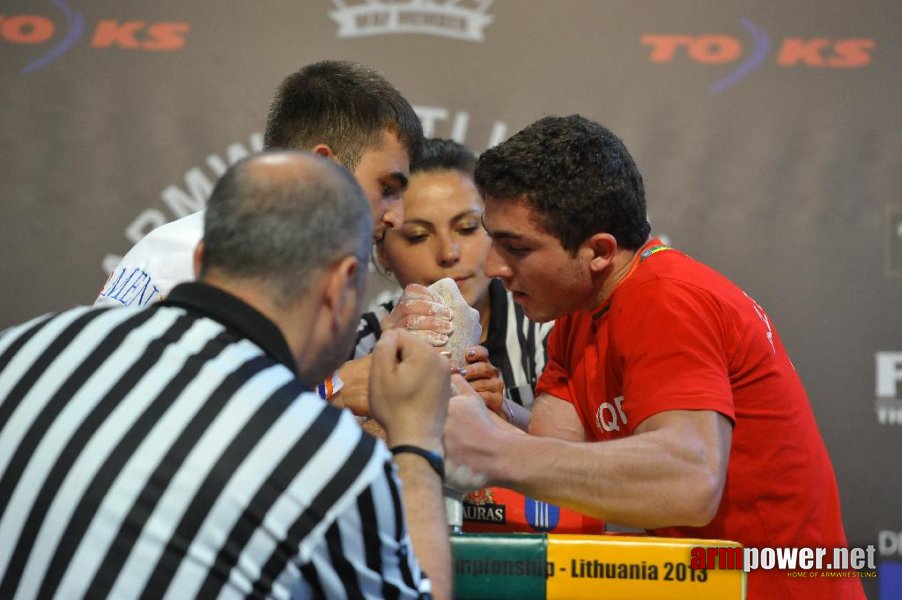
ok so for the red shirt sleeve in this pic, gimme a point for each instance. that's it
(669, 340)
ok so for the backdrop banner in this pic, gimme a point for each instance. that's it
(769, 135)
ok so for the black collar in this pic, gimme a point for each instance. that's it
(225, 308)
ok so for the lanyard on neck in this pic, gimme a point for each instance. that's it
(650, 249)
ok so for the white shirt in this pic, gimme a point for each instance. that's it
(161, 260)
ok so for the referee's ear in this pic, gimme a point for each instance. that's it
(340, 293)
(199, 260)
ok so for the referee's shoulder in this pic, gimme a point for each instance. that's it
(49, 317)
(342, 422)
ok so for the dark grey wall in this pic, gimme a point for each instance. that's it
(768, 133)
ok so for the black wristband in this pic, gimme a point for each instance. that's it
(434, 459)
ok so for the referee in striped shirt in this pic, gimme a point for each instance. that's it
(177, 451)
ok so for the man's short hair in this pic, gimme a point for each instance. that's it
(576, 175)
(344, 105)
(444, 155)
(283, 231)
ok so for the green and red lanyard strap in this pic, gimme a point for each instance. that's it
(650, 249)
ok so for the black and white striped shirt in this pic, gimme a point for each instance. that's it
(173, 451)
(516, 344)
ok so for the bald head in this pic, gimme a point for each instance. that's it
(282, 168)
(280, 217)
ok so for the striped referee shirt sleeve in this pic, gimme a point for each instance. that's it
(366, 552)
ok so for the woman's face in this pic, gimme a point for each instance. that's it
(441, 235)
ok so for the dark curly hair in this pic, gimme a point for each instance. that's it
(578, 177)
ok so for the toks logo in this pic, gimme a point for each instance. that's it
(719, 49)
(459, 19)
(106, 33)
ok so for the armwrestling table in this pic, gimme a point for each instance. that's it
(525, 566)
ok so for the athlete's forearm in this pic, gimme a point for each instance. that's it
(663, 477)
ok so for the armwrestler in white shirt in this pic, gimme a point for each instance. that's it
(340, 110)
(159, 261)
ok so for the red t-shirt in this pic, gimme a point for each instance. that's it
(675, 334)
